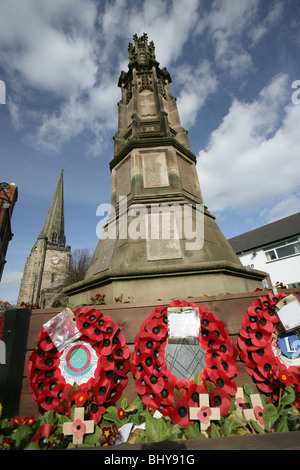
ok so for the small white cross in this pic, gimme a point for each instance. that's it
(203, 410)
(250, 413)
(79, 427)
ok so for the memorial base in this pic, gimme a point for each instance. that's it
(211, 278)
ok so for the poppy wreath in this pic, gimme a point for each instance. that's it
(100, 371)
(257, 342)
(160, 390)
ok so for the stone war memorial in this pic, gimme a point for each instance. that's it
(175, 371)
(160, 238)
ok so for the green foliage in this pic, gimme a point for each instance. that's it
(284, 417)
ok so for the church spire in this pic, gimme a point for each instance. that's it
(54, 227)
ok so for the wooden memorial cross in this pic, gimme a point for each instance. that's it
(79, 427)
(204, 413)
(239, 399)
(256, 413)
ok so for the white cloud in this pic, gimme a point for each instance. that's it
(256, 33)
(226, 23)
(252, 159)
(168, 24)
(196, 85)
(72, 51)
(286, 205)
(96, 113)
(9, 277)
(229, 24)
(49, 43)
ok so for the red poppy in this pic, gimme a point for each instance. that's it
(210, 340)
(141, 387)
(158, 329)
(217, 327)
(221, 380)
(193, 394)
(42, 435)
(151, 364)
(227, 347)
(258, 354)
(258, 377)
(151, 400)
(204, 414)
(78, 428)
(157, 384)
(223, 362)
(240, 403)
(180, 414)
(220, 399)
(259, 414)
(259, 338)
(267, 387)
(148, 344)
(96, 412)
(266, 364)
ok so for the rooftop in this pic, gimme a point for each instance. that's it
(267, 234)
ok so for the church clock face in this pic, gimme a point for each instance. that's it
(55, 260)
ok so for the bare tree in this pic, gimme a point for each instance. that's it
(81, 258)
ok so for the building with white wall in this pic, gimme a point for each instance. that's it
(273, 248)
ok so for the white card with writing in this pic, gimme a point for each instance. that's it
(288, 312)
(183, 322)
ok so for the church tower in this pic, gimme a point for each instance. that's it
(48, 264)
(160, 241)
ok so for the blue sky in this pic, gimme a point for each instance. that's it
(232, 63)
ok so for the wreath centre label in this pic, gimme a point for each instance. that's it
(78, 362)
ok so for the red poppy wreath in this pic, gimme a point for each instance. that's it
(160, 389)
(265, 349)
(98, 362)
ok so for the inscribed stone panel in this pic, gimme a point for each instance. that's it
(187, 176)
(162, 237)
(155, 170)
(124, 179)
(105, 255)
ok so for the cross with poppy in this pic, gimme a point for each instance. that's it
(204, 413)
(256, 413)
(239, 399)
(79, 427)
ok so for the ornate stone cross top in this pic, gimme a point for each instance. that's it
(79, 427)
(204, 413)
